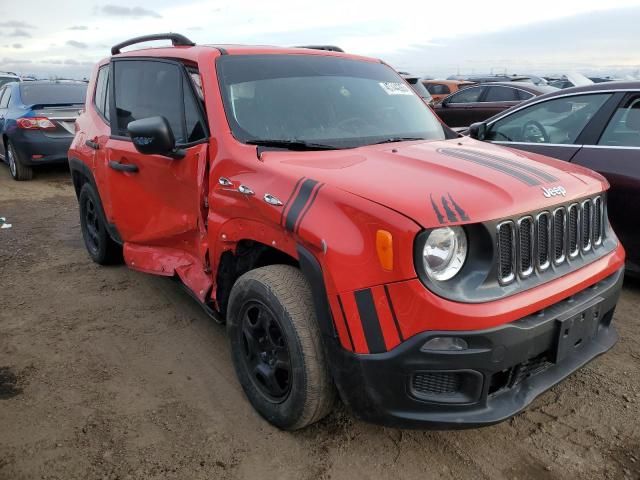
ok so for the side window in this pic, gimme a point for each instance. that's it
(438, 89)
(558, 120)
(5, 96)
(101, 97)
(522, 95)
(468, 95)
(146, 88)
(193, 117)
(501, 94)
(623, 129)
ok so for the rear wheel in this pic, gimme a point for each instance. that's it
(276, 347)
(101, 247)
(19, 171)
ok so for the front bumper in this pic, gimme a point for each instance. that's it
(504, 369)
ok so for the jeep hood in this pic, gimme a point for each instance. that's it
(446, 182)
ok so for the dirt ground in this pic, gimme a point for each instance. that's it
(111, 374)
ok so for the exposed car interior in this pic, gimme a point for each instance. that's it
(558, 121)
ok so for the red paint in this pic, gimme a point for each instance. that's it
(418, 309)
(176, 219)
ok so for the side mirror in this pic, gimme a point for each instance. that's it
(478, 130)
(153, 136)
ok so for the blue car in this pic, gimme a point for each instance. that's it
(37, 123)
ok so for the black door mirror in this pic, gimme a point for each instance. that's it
(478, 130)
(153, 136)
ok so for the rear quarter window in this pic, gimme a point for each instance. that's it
(438, 89)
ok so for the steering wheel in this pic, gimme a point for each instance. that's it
(351, 124)
(534, 132)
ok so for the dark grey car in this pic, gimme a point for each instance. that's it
(596, 126)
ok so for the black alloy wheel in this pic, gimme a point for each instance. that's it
(266, 356)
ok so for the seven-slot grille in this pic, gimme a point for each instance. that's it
(535, 242)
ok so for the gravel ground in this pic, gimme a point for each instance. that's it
(111, 374)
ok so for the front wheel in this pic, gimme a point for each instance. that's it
(276, 347)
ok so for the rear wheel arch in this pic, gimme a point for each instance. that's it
(81, 174)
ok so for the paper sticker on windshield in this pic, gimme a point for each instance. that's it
(395, 88)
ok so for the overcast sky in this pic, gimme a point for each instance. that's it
(439, 38)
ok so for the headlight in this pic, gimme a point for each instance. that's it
(444, 252)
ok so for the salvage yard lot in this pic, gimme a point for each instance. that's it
(110, 373)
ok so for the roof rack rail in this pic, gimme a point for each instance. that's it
(176, 40)
(329, 48)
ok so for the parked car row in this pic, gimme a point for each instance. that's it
(354, 245)
(479, 102)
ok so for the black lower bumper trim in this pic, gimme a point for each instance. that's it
(49, 150)
(501, 372)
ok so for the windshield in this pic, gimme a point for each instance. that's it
(322, 100)
(52, 93)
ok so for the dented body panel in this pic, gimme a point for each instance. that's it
(185, 217)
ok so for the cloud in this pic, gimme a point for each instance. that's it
(19, 33)
(14, 61)
(17, 45)
(78, 27)
(76, 44)
(16, 24)
(119, 11)
(582, 42)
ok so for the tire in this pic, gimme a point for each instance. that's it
(19, 171)
(101, 247)
(275, 302)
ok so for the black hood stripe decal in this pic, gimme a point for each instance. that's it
(308, 207)
(293, 192)
(461, 213)
(436, 210)
(298, 204)
(451, 216)
(453, 211)
(485, 162)
(528, 168)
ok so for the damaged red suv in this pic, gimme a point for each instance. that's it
(353, 244)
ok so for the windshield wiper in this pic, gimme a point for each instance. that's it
(291, 144)
(397, 139)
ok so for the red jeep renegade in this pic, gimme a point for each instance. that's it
(351, 242)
